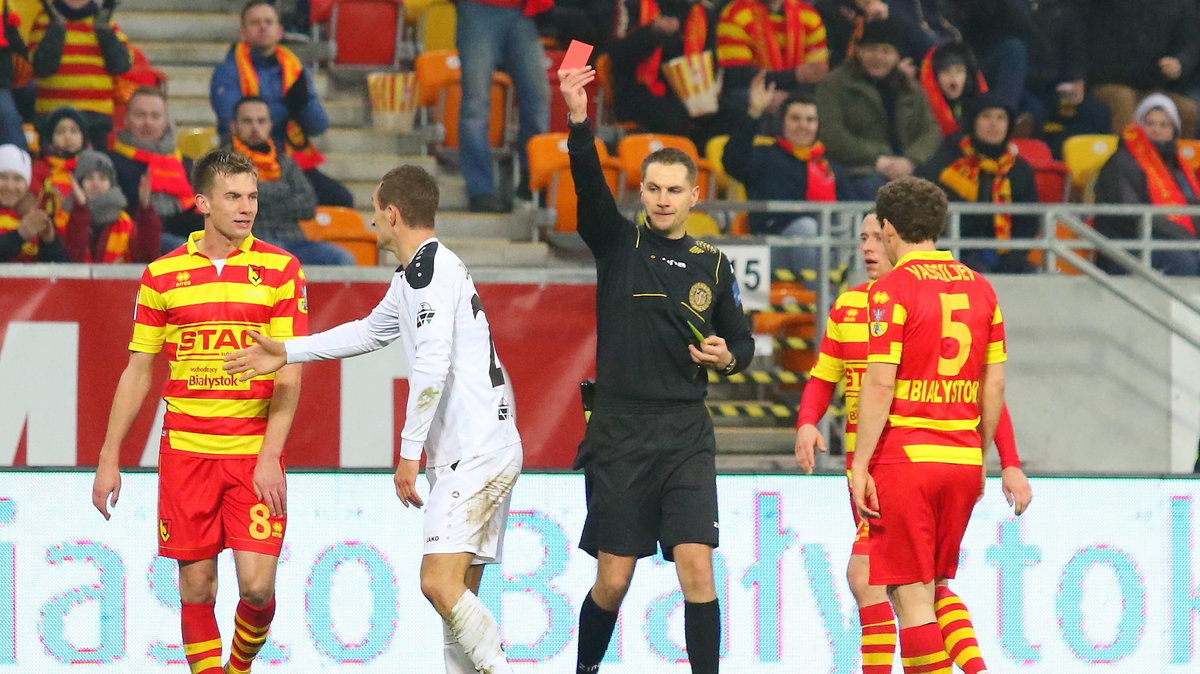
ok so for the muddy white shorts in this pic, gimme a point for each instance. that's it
(467, 508)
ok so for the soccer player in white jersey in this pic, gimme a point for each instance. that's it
(460, 410)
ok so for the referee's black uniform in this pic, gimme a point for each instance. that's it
(649, 453)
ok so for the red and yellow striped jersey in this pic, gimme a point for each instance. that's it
(197, 315)
(81, 80)
(940, 323)
(796, 35)
(843, 354)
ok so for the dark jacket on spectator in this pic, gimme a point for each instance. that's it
(632, 100)
(767, 171)
(1058, 52)
(984, 23)
(1126, 38)
(1122, 181)
(855, 120)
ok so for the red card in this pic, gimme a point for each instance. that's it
(577, 55)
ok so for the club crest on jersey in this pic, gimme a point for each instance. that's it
(504, 412)
(164, 530)
(878, 328)
(302, 303)
(255, 274)
(425, 314)
(700, 296)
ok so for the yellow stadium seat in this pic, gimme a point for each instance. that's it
(702, 226)
(196, 141)
(1085, 156)
(343, 227)
(436, 27)
(414, 10)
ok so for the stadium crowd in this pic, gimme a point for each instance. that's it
(821, 101)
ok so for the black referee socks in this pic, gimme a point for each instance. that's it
(702, 634)
(595, 632)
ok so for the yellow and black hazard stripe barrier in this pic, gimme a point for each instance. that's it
(837, 275)
(792, 343)
(755, 410)
(758, 377)
(785, 309)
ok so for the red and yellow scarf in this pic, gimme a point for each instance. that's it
(58, 184)
(116, 241)
(695, 34)
(299, 147)
(1164, 190)
(962, 176)
(165, 170)
(266, 163)
(821, 185)
(937, 100)
(10, 220)
(767, 53)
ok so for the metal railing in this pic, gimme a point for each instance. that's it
(836, 237)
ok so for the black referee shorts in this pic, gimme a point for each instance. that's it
(650, 479)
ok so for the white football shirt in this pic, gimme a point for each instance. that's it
(460, 402)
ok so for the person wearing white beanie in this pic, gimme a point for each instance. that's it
(1152, 167)
(15, 160)
(1157, 102)
(27, 234)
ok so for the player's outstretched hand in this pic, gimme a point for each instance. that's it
(862, 485)
(571, 83)
(713, 353)
(265, 357)
(406, 483)
(105, 489)
(808, 437)
(1016, 488)
(270, 485)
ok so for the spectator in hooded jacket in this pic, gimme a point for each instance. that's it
(61, 139)
(1151, 168)
(950, 78)
(978, 165)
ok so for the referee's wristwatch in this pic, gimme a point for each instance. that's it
(728, 369)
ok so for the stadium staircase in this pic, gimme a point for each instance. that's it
(186, 38)
(753, 412)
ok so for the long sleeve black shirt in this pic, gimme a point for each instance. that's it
(648, 288)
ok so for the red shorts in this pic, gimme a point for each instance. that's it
(207, 504)
(924, 509)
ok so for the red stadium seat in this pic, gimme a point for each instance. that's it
(349, 21)
(1050, 174)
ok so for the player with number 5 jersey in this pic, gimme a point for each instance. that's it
(930, 402)
(460, 410)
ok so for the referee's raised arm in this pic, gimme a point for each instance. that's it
(599, 220)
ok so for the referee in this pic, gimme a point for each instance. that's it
(667, 307)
